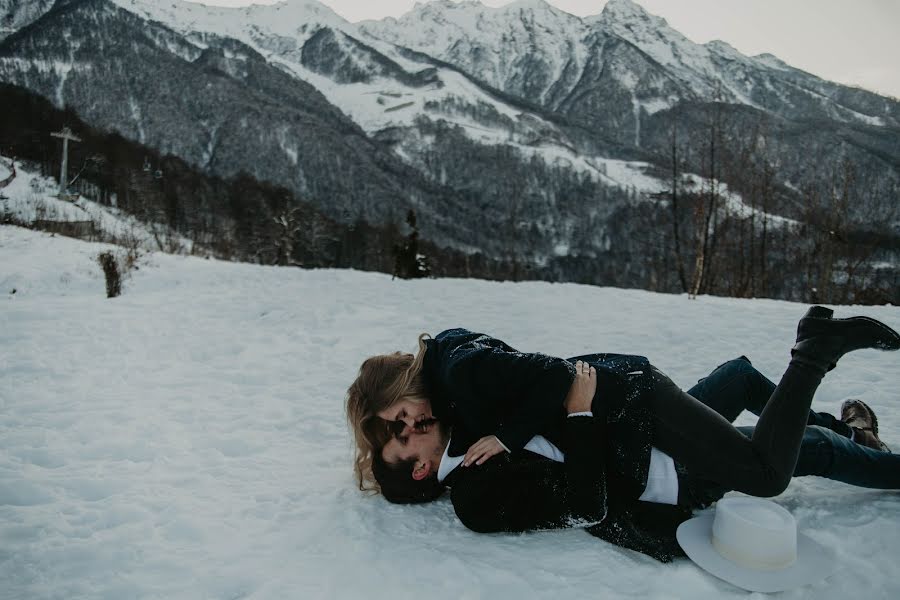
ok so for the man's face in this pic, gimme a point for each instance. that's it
(423, 450)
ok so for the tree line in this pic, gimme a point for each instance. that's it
(832, 238)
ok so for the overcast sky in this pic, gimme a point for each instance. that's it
(849, 41)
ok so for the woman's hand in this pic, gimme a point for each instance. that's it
(482, 450)
(581, 393)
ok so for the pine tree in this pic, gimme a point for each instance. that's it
(408, 262)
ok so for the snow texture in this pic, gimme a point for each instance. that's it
(187, 439)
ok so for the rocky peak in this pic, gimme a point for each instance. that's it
(626, 10)
(772, 61)
(656, 38)
(439, 6)
(629, 20)
(301, 8)
(529, 5)
(725, 50)
(454, 10)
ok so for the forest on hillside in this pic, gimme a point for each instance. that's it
(691, 239)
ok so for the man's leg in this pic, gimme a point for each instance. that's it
(733, 387)
(825, 453)
(736, 386)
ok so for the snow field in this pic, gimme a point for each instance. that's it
(187, 440)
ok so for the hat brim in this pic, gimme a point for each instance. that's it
(813, 560)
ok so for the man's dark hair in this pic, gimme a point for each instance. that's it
(398, 486)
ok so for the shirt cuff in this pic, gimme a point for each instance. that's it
(502, 444)
(585, 413)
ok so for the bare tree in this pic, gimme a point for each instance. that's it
(287, 226)
(676, 216)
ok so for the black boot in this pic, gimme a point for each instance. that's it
(821, 340)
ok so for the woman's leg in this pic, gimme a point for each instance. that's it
(710, 447)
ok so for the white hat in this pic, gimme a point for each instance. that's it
(754, 544)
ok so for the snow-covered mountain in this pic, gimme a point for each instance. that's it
(379, 85)
(390, 93)
(610, 73)
(716, 70)
(211, 100)
(528, 48)
(516, 116)
(533, 50)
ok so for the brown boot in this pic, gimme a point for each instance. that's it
(864, 423)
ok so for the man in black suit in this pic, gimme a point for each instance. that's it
(540, 488)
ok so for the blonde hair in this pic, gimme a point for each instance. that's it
(383, 381)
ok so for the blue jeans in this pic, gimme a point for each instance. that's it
(825, 450)
(737, 386)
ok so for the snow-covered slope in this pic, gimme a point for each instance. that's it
(296, 20)
(280, 32)
(31, 198)
(187, 440)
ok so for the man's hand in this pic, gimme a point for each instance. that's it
(482, 450)
(581, 393)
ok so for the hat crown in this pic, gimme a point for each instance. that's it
(755, 533)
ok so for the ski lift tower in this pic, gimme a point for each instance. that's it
(66, 135)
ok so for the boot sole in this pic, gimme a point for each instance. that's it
(887, 345)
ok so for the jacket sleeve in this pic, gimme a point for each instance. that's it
(509, 494)
(522, 392)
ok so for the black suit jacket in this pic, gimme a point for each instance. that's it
(527, 492)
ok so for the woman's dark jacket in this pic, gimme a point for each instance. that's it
(481, 386)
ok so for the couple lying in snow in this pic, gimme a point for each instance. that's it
(606, 442)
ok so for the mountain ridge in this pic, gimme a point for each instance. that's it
(517, 117)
